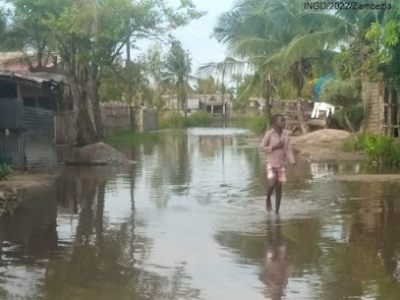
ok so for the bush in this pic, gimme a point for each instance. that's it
(178, 121)
(356, 116)
(356, 143)
(380, 149)
(5, 172)
(257, 124)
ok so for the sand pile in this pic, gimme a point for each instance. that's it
(98, 154)
(322, 136)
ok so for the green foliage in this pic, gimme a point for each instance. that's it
(355, 143)
(178, 121)
(5, 172)
(257, 124)
(380, 149)
(207, 85)
(116, 79)
(344, 93)
(356, 116)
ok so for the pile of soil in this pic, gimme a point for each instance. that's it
(9, 199)
(98, 154)
(322, 136)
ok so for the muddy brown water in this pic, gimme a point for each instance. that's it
(188, 222)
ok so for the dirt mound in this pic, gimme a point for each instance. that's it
(322, 136)
(98, 154)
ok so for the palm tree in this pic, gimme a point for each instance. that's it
(279, 38)
(176, 72)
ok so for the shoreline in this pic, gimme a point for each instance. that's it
(20, 180)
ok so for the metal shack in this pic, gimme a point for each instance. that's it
(27, 106)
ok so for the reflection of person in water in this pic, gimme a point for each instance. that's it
(277, 266)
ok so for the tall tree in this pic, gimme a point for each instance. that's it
(176, 72)
(207, 85)
(89, 35)
(279, 38)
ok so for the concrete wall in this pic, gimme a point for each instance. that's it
(146, 119)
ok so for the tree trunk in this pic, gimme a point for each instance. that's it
(267, 94)
(98, 122)
(348, 122)
(300, 115)
(85, 129)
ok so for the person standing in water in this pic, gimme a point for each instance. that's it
(276, 145)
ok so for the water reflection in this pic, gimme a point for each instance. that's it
(187, 221)
(278, 268)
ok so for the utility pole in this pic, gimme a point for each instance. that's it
(223, 97)
(128, 62)
(186, 83)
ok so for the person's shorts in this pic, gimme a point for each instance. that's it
(278, 174)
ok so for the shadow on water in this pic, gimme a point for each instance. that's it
(187, 221)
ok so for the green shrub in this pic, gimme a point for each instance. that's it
(356, 143)
(198, 119)
(175, 121)
(178, 121)
(380, 149)
(5, 172)
(257, 124)
(356, 116)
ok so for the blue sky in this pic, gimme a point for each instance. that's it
(196, 36)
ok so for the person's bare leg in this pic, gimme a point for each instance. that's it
(270, 190)
(278, 196)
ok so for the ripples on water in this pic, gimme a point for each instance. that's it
(188, 221)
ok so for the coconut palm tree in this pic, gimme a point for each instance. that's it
(177, 68)
(280, 38)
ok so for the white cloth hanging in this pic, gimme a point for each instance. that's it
(328, 108)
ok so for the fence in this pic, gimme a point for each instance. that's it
(115, 116)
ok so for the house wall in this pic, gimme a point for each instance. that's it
(40, 148)
(12, 150)
(372, 94)
(12, 144)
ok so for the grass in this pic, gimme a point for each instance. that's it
(178, 121)
(130, 138)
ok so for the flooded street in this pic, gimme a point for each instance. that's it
(188, 221)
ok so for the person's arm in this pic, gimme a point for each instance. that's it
(264, 145)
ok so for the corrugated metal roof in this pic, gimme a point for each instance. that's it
(39, 77)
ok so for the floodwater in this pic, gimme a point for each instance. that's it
(188, 221)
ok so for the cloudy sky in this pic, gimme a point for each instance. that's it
(196, 36)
